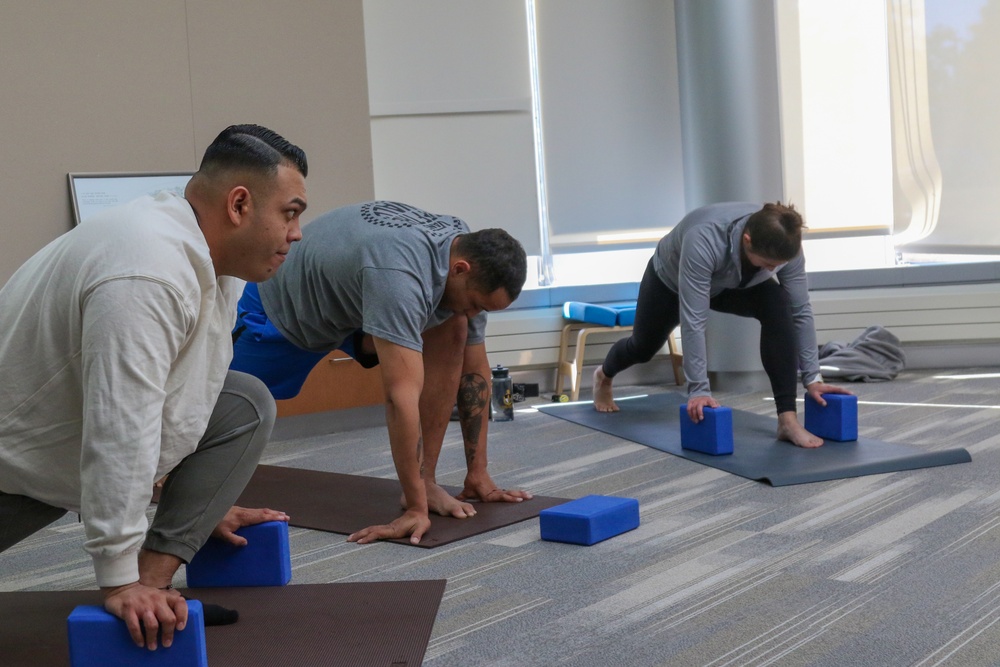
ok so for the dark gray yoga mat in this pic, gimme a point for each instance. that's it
(330, 625)
(654, 421)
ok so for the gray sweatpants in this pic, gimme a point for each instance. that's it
(199, 491)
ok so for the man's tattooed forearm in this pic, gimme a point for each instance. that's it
(473, 398)
(473, 395)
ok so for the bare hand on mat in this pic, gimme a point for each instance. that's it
(156, 609)
(237, 517)
(413, 523)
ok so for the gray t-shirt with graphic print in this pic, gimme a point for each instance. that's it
(379, 266)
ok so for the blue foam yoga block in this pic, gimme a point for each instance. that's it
(712, 435)
(837, 421)
(605, 314)
(264, 561)
(100, 639)
(589, 520)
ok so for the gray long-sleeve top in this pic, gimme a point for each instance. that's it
(700, 258)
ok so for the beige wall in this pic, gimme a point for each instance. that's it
(118, 85)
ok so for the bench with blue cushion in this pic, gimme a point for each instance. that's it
(588, 318)
(604, 314)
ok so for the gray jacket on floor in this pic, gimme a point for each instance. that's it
(874, 356)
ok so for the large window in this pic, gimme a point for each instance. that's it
(452, 101)
(960, 61)
(888, 127)
(588, 128)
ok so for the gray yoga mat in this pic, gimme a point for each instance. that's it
(654, 421)
(330, 625)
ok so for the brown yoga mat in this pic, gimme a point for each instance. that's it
(338, 503)
(333, 625)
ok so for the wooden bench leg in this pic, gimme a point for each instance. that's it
(676, 360)
(581, 346)
(564, 368)
(573, 369)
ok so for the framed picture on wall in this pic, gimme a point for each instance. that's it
(93, 192)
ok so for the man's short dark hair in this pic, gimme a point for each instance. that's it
(775, 231)
(497, 260)
(253, 148)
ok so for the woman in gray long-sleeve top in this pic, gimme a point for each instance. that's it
(734, 258)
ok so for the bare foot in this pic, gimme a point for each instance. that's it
(791, 431)
(480, 487)
(441, 502)
(604, 400)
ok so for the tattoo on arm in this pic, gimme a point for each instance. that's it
(473, 399)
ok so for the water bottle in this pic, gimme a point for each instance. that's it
(502, 402)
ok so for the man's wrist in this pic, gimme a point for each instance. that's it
(417, 502)
(477, 468)
(108, 591)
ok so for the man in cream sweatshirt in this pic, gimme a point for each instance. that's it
(115, 345)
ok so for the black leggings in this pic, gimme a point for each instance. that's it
(658, 313)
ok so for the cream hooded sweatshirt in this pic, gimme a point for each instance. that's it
(114, 345)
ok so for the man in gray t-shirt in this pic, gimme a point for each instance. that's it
(407, 290)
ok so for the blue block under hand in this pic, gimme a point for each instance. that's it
(589, 520)
(100, 639)
(712, 435)
(837, 421)
(264, 561)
